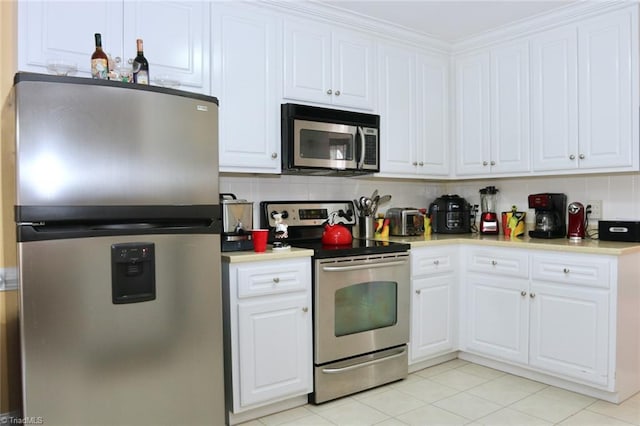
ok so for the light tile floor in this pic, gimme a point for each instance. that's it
(461, 393)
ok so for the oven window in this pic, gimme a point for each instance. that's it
(365, 306)
(326, 145)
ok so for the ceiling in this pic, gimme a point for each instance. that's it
(451, 20)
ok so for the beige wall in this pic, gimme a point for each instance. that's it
(9, 355)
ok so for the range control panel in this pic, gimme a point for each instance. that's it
(302, 213)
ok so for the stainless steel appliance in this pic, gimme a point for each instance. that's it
(577, 221)
(361, 300)
(405, 221)
(115, 188)
(450, 214)
(550, 210)
(237, 223)
(328, 141)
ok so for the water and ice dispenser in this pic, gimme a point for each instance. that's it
(133, 272)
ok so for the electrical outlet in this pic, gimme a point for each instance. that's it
(596, 209)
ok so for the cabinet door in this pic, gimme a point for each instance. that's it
(554, 99)
(608, 90)
(275, 348)
(510, 108)
(353, 70)
(50, 30)
(432, 138)
(397, 111)
(246, 75)
(176, 40)
(563, 313)
(433, 316)
(497, 317)
(472, 114)
(307, 61)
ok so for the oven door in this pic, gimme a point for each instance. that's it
(326, 145)
(361, 305)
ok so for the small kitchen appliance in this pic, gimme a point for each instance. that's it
(405, 221)
(619, 230)
(361, 299)
(450, 214)
(550, 211)
(577, 219)
(237, 223)
(488, 211)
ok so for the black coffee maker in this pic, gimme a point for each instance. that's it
(550, 215)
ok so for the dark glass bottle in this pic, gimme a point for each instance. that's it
(140, 65)
(99, 60)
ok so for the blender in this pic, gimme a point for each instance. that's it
(488, 211)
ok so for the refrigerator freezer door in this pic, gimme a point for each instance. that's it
(89, 361)
(84, 144)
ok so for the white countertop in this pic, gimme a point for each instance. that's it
(613, 248)
(270, 254)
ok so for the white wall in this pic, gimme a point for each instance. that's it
(619, 193)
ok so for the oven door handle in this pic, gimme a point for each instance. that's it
(367, 266)
(400, 353)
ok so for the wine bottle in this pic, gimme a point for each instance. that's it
(99, 60)
(140, 65)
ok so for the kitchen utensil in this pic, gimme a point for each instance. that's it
(513, 223)
(405, 221)
(550, 215)
(336, 235)
(450, 214)
(577, 219)
(237, 222)
(488, 215)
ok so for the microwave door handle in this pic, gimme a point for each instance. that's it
(362, 147)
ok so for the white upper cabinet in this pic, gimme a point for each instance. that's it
(608, 91)
(246, 70)
(554, 99)
(328, 65)
(584, 97)
(413, 106)
(175, 35)
(492, 100)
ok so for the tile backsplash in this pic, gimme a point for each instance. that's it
(619, 193)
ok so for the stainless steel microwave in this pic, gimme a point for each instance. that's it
(327, 141)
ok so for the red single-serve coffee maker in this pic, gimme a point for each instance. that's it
(577, 218)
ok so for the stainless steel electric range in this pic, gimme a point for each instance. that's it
(360, 299)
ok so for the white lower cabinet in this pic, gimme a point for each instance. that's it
(433, 303)
(268, 348)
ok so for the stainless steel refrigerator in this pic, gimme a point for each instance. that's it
(116, 204)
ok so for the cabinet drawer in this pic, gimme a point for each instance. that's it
(585, 270)
(273, 278)
(432, 261)
(512, 263)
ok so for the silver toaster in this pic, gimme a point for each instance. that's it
(405, 221)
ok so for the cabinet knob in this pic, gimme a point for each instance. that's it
(484, 163)
(532, 295)
(436, 262)
(572, 157)
(494, 263)
(493, 163)
(274, 155)
(329, 91)
(566, 270)
(276, 280)
(337, 93)
(581, 156)
(421, 164)
(417, 291)
(415, 163)
(305, 309)
(523, 293)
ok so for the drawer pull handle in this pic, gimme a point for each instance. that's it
(566, 270)
(276, 280)
(305, 309)
(523, 293)
(417, 291)
(436, 262)
(532, 295)
(494, 263)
